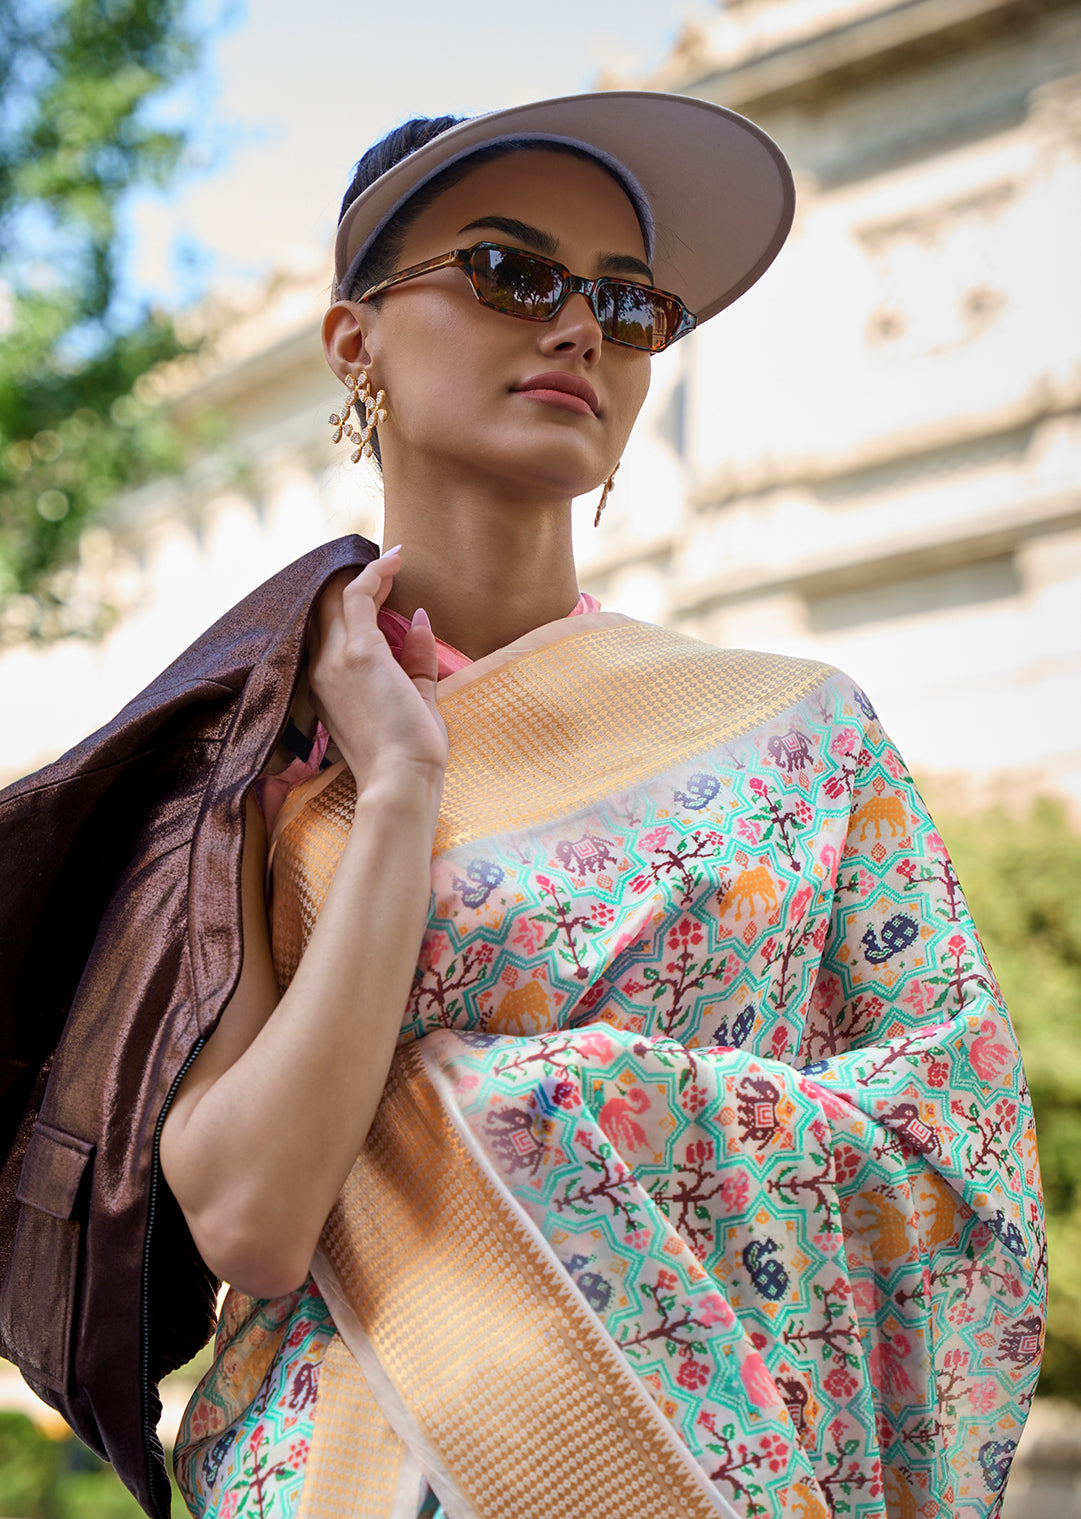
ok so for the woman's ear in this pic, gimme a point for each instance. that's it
(345, 338)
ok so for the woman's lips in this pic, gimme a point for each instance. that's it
(565, 390)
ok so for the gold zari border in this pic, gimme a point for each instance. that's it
(509, 1377)
(592, 714)
(355, 1459)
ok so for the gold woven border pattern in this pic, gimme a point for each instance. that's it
(305, 859)
(355, 1458)
(554, 731)
(513, 1382)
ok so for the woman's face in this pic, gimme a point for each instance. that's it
(456, 373)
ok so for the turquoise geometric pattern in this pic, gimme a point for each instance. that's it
(731, 1042)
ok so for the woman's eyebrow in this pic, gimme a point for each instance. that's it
(544, 242)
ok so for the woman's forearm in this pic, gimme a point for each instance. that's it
(264, 1139)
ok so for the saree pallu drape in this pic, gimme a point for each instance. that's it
(705, 1179)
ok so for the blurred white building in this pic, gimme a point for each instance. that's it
(874, 458)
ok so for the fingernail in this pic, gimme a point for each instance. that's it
(387, 552)
(421, 619)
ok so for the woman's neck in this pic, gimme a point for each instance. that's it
(486, 570)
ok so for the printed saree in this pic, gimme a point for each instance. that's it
(705, 1179)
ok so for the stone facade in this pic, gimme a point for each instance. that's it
(881, 443)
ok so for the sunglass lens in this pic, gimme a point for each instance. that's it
(516, 283)
(636, 316)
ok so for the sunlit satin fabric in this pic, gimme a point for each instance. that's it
(706, 1095)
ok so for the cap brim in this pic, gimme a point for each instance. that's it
(720, 190)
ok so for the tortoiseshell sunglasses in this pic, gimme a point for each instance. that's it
(534, 288)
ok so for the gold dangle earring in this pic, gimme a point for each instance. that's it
(602, 503)
(359, 398)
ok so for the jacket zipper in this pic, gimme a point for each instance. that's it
(149, 1435)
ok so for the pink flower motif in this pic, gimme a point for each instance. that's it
(957, 944)
(594, 1045)
(528, 934)
(775, 1451)
(937, 1073)
(846, 1162)
(692, 1374)
(983, 1396)
(863, 1295)
(840, 1383)
(758, 786)
(666, 1280)
(712, 1309)
(801, 901)
(735, 1192)
(757, 1382)
(544, 883)
(694, 1098)
(565, 1095)
(780, 1042)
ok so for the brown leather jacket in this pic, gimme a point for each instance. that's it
(120, 893)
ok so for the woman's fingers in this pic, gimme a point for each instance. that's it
(420, 660)
(373, 581)
(376, 578)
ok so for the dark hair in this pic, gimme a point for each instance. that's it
(391, 149)
(382, 257)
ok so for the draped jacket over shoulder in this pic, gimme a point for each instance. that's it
(120, 871)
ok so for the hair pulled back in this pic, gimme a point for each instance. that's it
(383, 155)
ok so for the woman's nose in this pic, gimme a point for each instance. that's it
(573, 329)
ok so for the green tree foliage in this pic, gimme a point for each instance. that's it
(1022, 878)
(76, 77)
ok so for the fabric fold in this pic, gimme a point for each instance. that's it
(705, 1090)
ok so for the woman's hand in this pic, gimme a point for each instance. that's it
(382, 715)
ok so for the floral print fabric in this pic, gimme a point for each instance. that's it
(731, 1042)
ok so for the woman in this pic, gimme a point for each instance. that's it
(697, 1176)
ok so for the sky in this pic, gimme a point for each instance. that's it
(290, 96)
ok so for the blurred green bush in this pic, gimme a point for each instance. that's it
(1022, 877)
(46, 1478)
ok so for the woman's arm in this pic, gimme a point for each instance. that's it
(275, 1108)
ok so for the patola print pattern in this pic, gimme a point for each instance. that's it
(730, 1040)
